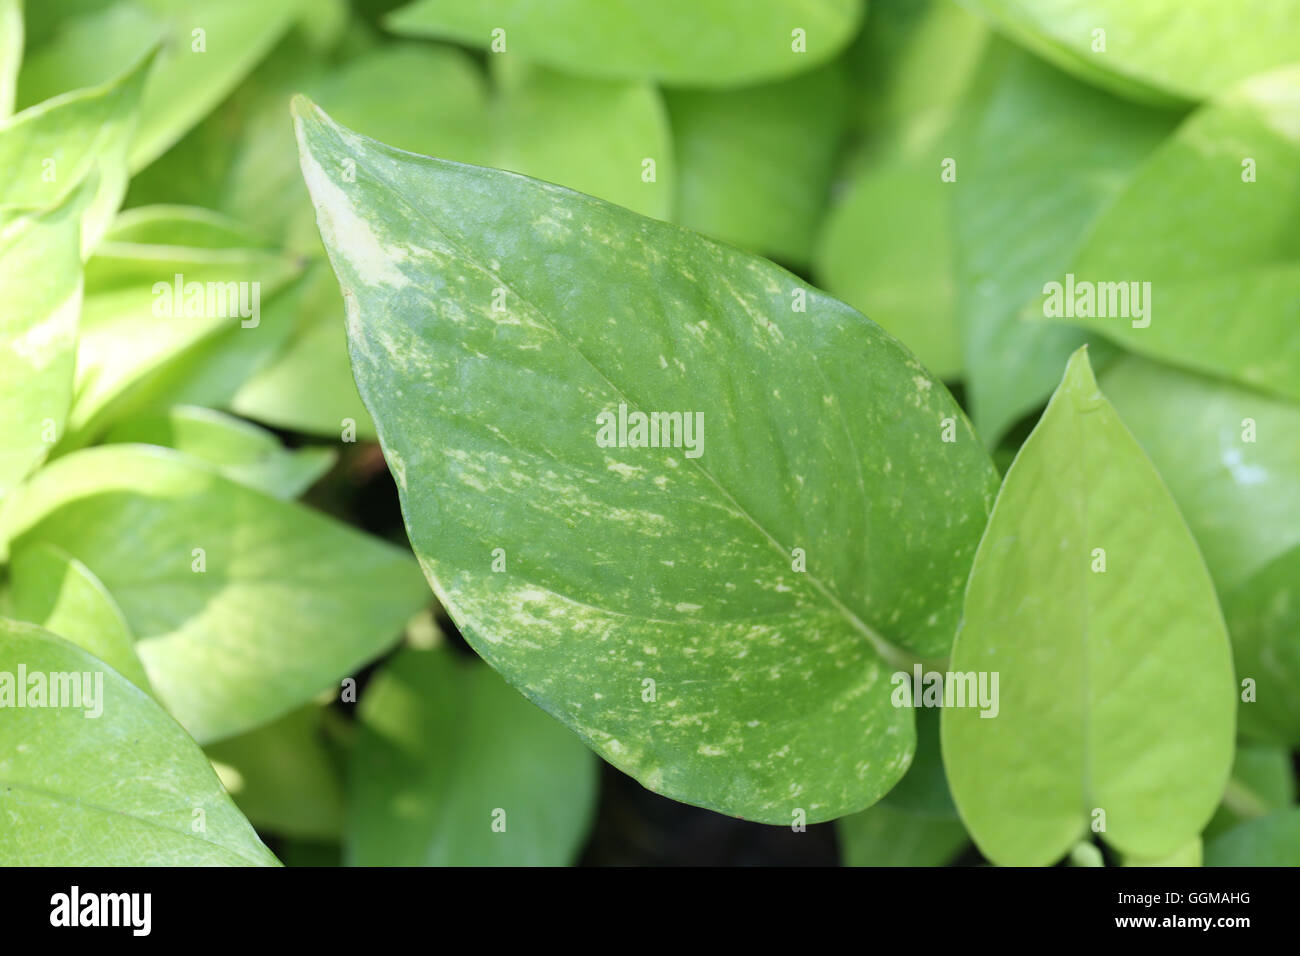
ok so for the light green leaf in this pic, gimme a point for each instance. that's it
(56, 591)
(1262, 781)
(1189, 854)
(755, 165)
(1273, 840)
(11, 53)
(674, 565)
(1116, 687)
(1229, 455)
(135, 324)
(1211, 284)
(683, 42)
(885, 836)
(887, 244)
(1264, 620)
(40, 288)
(119, 789)
(283, 776)
(241, 451)
(1158, 49)
(204, 53)
(278, 605)
(49, 150)
(590, 135)
(453, 768)
(1046, 153)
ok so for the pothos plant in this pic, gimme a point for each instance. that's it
(696, 515)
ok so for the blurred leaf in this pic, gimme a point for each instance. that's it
(772, 691)
(1189, 854)
(50, 149)
(133, 322)
(684, 42)
(40, 286)
(923, 791)
(1220, 273)
(124, 788)
(279, 604)
(1042, 155)
(59, 593)
(453, 768)
(1262, 781)
(1156, 49)
(886, 836)
(590, 135)
(11, 53)
(240, 450)
(1264, 620)
(887, 246)
(194, 71)
(1229, 455)
(1116, 677)
(283, 777)
(755, 165)
(1273, 840)
(308, 386)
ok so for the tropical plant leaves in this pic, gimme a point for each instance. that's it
(1154, 50)
(1218, 280)
(683, 42)
(768, 692)
(125, 788)
(453, 768)
(40, 286)
(52, 148)
(1116, 685)
(202, 55)
(886, 836)
(276, 606)
(1262, 781)
(1273, 840)
(1264, 620)
(1047, 153)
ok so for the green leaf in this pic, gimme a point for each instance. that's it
(590, 135)
(194, 71)
(885, 836)
(134, 324)
(124, 788)
(1262, 781)
(1116, 685)
(1230, 458)
(669, 565)
(923, 791)
(1273, 840)
(683, 42)
(755, 165)
(1158, 49)
(1190, 854)
(1046, 153)
(241, 451)
(453, 768)
(50, 149)
(1214, 284)
(283, 776)
(11, 53)
(1264, 620)
(40, 286)
(886, 247)
(279, 604)
(56, 591)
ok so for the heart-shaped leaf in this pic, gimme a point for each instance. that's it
(715, 612)
(1114, 672)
